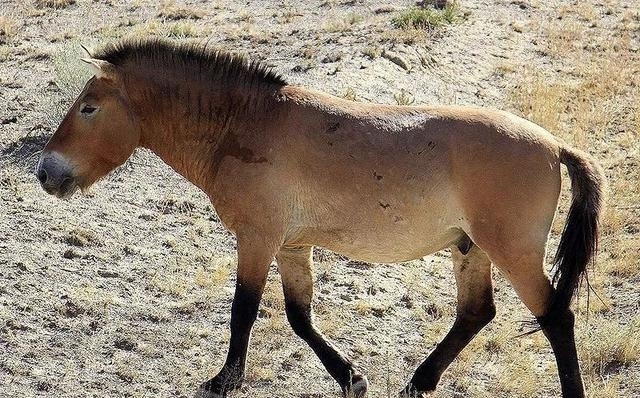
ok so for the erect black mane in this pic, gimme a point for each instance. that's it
(188, 55)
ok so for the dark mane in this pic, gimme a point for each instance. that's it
(217, 64)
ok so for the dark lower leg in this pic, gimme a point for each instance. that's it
(475, 309)
(559, 330)
(339, 367)
(294, 264)
(244, 311)
(429, 372)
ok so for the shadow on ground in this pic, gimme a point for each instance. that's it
(24, 152)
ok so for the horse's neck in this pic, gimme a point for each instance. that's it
(184, 129)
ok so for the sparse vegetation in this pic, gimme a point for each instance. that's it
(345, 24)
(8, 28)
(372, 52)
(5, 53)
(426, 17)
(404, 98)
(350, 94)
(169, 10)
(183, 30)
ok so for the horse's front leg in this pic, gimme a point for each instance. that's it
(294, 264)
(255, 255)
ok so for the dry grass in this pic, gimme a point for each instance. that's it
(590, 98)
(597, 110)
(611, 347)
(372, 52)
(350, 94)
(169, 10)
(5, 53)
(592, 103)
(345, 24)
(426, 18)
(8, 28)
(404, 98)
(183, 29)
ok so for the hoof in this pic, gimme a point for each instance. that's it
(202, 393)
(412, 393)
(358, 388)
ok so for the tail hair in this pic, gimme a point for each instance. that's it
(579, 241)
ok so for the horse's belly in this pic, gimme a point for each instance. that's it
(374, 233)
(391, 249)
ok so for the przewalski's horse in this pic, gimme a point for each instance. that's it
(288, 168)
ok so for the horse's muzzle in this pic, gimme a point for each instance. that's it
(55, 174)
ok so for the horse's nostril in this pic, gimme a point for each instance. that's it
(42, 175)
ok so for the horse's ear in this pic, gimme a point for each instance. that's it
(102, 69)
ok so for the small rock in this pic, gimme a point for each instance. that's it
(70, 254)
(302, 68)
(396, 59)
(107, 274)
(517, 26)
(523, 4)
(332, 57)
(71, 310)
(43, 386)
(147, 216)
(438, 4)
(125, 345)
(384, 10)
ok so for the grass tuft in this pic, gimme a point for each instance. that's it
(611, 346)
(169, 10)
(426, 18)
(8, 28)
(350, 94)
(183, 30)
(404, 98)
(344, 25)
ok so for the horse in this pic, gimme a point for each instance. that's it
(288, 168)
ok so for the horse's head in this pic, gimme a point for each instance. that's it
(98, 134)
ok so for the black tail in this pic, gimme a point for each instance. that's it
(579, 241)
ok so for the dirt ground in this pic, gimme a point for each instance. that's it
(126, 291)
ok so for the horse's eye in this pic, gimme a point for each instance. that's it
(87, 109)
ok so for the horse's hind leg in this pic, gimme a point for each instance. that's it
(535, 290)
(294, 264)
(474, 310)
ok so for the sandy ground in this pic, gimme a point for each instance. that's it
(126, 292)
